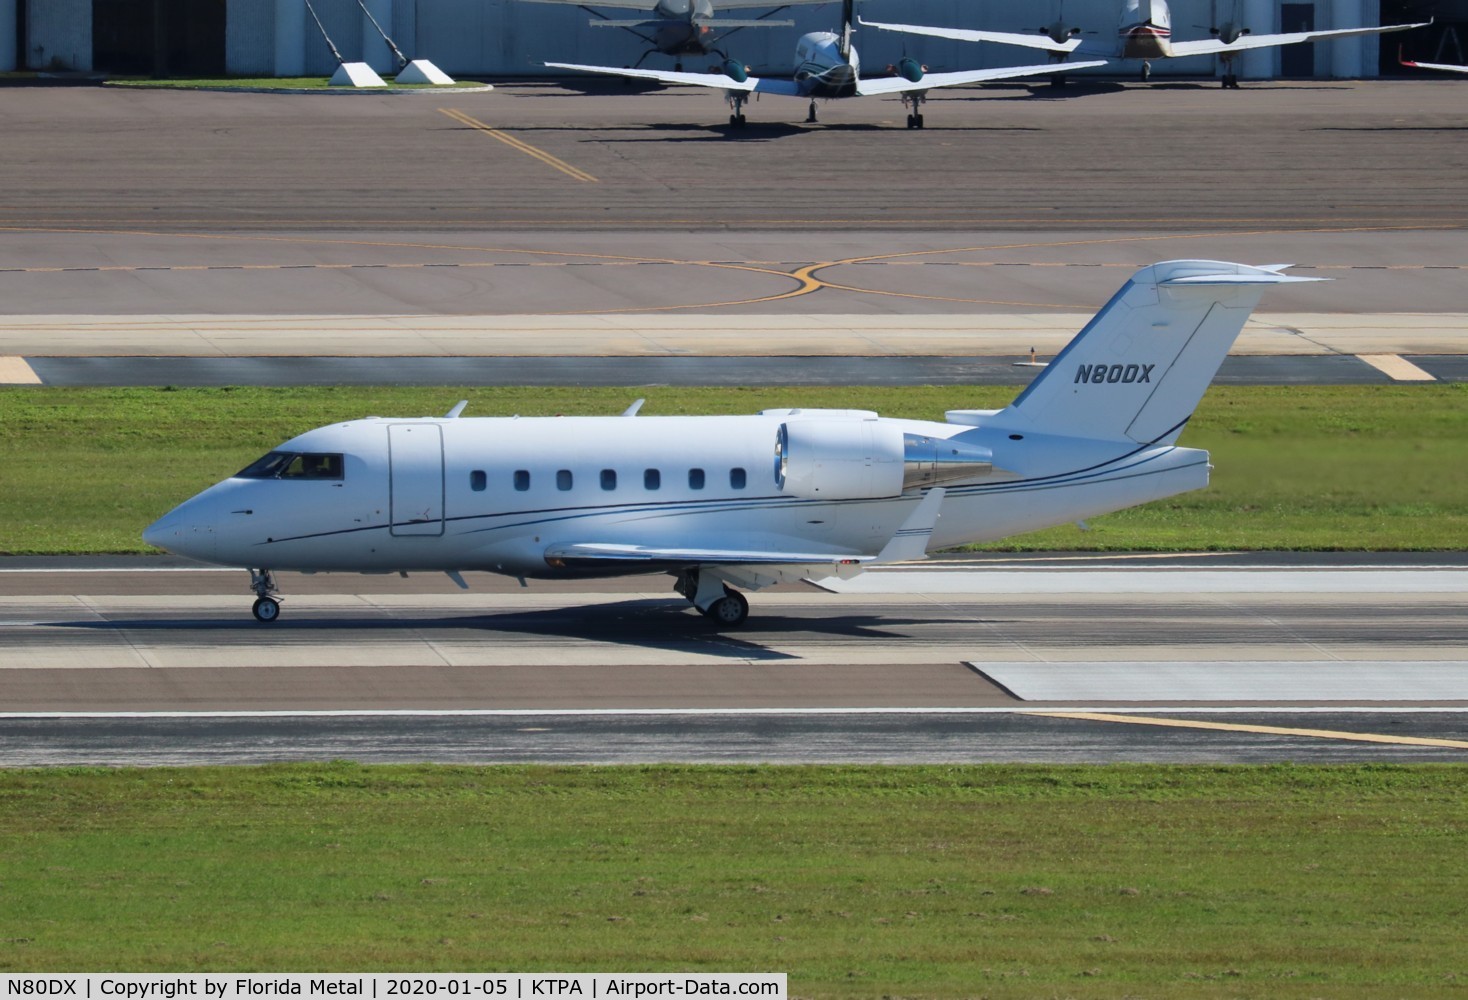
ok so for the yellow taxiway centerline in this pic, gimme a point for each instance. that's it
(1240, 727)
(522, 146)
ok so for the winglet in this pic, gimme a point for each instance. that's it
(911, 540)
(631, 411)
(458, 409)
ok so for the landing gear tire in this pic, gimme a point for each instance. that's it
(729, 610)
(914, 121)
(736, 121)
(266, 609)
(811, 115)
(1231, 81)
(1146, 71)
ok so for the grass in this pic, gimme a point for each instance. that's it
(1012, 881)
(1315, 468)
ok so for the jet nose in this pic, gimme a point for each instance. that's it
(182, 534)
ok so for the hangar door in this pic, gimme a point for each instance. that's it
(158, 37)
(415, 461)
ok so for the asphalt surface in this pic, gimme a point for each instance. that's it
(932, 737)
(656, 371)
(1169, 156)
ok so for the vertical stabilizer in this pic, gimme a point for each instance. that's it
(1138, 369)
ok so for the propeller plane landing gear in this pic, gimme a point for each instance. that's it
(267, 606)
(914, 102)
(736, 102)
(811, 115)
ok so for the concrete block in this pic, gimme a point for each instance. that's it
(356, 74)
(423, 71)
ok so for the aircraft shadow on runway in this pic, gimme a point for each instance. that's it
(650, 624)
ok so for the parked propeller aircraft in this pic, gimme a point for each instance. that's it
(683, 27)
(746, 501)
(1145, 32)
(826, 66)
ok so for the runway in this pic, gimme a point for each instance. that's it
(898, 655)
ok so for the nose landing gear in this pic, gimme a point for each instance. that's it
(266, 607)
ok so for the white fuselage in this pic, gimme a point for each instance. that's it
(1145, 30)
(820, 68)
(496, 494)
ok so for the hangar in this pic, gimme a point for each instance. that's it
(512, 38)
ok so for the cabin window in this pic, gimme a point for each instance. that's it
(294, 465)
(652, 479)
(695, 479)
(563, 479)
(737, 479)
(608, 479)
(522, 480)
(478, 481)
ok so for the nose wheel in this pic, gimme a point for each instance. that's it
(266, 607)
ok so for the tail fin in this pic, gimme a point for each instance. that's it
(1138, 369)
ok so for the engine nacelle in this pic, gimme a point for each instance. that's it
(909, 69)
(870, 459)
(736, 70)
(839, 459)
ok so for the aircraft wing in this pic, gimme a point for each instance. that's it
(598, 554)
(1447, 67)
(1036, 40)
(721, 23)
(902, 85)
(716, 80)
(643, 5)
(1216, 46)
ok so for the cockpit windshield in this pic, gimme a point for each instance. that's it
(294, 465)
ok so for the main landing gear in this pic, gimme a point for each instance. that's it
(811, 114)
(267, 606)
(914, 102)
(736, 101)
(715, 600)
(1146, 71)
(1230, 78)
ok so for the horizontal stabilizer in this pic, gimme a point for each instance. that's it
(1138, 369)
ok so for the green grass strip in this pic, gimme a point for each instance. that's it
(1311, 468)
(998, 881)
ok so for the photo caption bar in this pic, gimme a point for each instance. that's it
(390, 986)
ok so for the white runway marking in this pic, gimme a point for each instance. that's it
(1156, 580)
(1232, 681)
(1397, 367)
(15, 371)
(735, 713)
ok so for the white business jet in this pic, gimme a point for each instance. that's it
(826, 66)
(745, 502)
(1145, 32)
